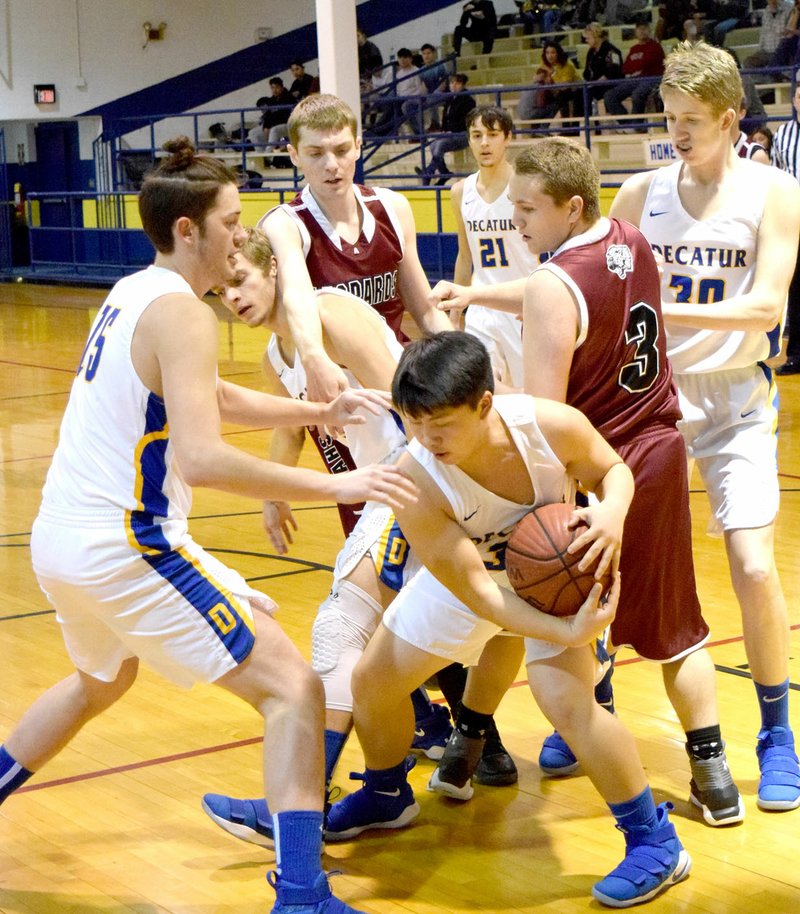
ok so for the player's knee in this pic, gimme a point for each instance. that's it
(344, 624)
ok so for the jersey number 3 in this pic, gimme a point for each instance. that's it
(640, 374)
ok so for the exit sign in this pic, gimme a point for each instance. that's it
(44, 95)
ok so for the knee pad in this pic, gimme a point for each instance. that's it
(345, 622)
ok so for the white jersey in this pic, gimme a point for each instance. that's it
(380, 435)
(488, 519)
(707, 261)
(114, 459)
(498, 255)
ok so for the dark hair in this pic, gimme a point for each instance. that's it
(561, 54)
(443, 371)
(297, 63)
(263, 101)
(492, 117)
(404, 52)
(428, 47)
(461, 77)
(276, 81)
(183, 184)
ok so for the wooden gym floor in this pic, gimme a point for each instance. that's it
(114, 824)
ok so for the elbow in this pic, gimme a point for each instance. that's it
(198, 469)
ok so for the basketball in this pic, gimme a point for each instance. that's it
(540, 569)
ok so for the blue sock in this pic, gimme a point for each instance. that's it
(334, 743)
(12, 774)
(298, 845)
(774, 704)
(639, 813)
(422, 704)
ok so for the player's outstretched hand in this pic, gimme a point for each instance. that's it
(376, 482)
(278, 523)
(594, 616)
(448, 296)
(344, 409)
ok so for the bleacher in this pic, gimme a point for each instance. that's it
(500, 76)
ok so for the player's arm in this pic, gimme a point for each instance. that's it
(549, 331)
(762, 307)
(412, 282)
(355, 337)
(462, 272)
(451, 556)
(629, 201)
(325, 378)
(175, 353)
(504, 296)
(587, 456)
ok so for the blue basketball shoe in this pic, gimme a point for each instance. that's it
(432, 732)
(779, 786)
(555, 757)
(654, 860)
(305, 899)
(249, 820)
(391, 806)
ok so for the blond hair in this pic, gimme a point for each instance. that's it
(705, 72)
(257, 250)
(320, 112)
(566, 170)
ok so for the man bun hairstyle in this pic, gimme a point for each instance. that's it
(184, 183)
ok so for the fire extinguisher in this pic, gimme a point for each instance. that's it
(19, 200)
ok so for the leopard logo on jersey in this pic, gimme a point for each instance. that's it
(619, 260)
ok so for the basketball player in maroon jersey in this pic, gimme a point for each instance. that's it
(594, 338)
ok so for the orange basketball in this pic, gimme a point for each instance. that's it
(540, 569)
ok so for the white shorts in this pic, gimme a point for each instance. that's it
(501, 334)
(428, 616)
(378, 535)
(181, 611)
(730, 421)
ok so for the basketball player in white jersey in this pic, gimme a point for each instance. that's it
(111, 548)
(376, 560)
(490, 249)
(482, 462)
(726, 230)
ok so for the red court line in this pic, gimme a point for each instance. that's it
(238, 744)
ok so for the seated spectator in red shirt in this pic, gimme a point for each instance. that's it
(642, 68)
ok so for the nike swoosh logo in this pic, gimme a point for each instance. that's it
(471, 515)
(662, 212)
(750, 412)
(419, 733)
(389, 793)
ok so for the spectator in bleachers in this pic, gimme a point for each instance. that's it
(762, 136)
(454, 127)
(478, 23)
(409, 90)
(377, 112)
(603, 59)
(774, 18)
(304, 83)
(546, 101)
(643, 68)
(671, 19)
(541, 17)
(273, 131)
(370, 59)
(788, 51)
(621, 11)
(726, 16)
(435, 75)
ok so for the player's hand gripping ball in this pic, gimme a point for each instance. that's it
(540, 569)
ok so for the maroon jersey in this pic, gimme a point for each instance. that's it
(621, 379)
(620, 376)
(366, 269)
